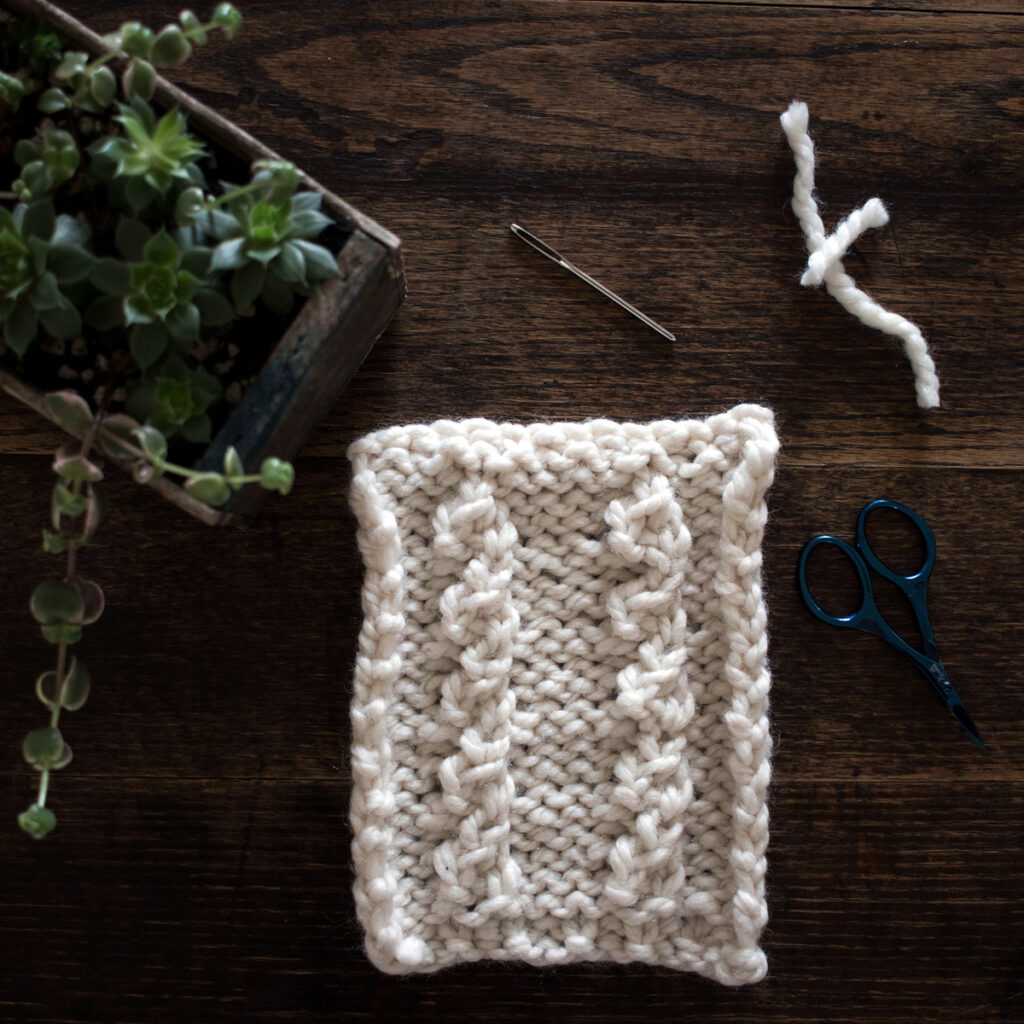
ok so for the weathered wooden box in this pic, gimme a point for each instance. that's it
(325, 343)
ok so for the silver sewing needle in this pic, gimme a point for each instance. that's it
(557, 257)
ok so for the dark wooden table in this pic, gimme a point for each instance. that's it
(201, 868)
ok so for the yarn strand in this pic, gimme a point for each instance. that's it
(825, 262)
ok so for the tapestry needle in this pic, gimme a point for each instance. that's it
(544, 249)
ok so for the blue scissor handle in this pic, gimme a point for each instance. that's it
(867, 617)
(915, 584)
(867, 605)
(909, 583)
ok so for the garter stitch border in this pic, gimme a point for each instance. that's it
(560, 734)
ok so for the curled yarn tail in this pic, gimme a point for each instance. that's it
(825, 262)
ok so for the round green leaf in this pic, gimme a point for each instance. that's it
(42, 747)
(70, 410)
(139, 79)
(136, 39)
(112, 428)
(52, 101)
(93, 600)
(56, 601)
(152, 442)
(211, 488)
(103, 86)
(25, 151)
(227, 17)
(37, 821)
(277, 475)
(170, 48)
(70, 263)
(193, 27)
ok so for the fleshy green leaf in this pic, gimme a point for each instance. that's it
(63, 322)
(210, 488)
(148, 342)
(40, 219)
(103, 86)
(62, 633)
(36, 177)
(214, 309)
(37, 821)
(193, 27)
(227, 17)
(70, 410)
(20, 328)
(67, 503)
(161, 249)
(229, 255)
(139, 79)
(277, 475)
(152, 442)
(56, 601)
(75, 690)
(43, 746)
(290, 265)
(69, 262)
(247, 284)
(54, 543)
(233, 463)
(117, 425)
(131, 237)
(277, 295)
(197, 429)
(111, 276)
(52, 101)
(308, 223)
(183, 322)
(320, 264)
(93, 600)
(170, 48)
(70, 464)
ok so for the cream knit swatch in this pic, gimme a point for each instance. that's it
(560, 733)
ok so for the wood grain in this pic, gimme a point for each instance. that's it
(201, 871)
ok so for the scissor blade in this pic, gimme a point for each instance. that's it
(960, 714)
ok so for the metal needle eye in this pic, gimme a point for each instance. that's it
(557, 257)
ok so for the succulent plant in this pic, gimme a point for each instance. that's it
(166, 268)
(266, 240)
(150, 155)
(40, 254)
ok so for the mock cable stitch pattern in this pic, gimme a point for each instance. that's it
(560, 732)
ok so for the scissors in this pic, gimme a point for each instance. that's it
(867, 617)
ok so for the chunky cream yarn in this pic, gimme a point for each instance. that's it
(561, 747)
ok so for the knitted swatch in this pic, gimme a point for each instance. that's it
(561, 747)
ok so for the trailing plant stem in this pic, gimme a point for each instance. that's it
(62, 647)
